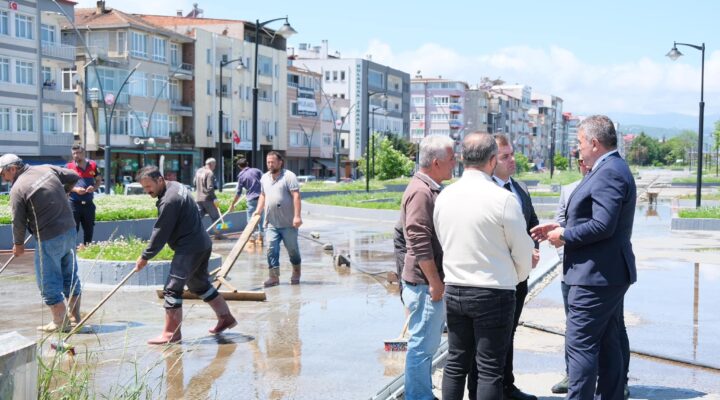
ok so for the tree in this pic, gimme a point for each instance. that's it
(521, 163)
(644, 150)
(561, 163)
(676, 148)
(716, 146)
(389, 162)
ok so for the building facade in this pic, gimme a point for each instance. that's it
(437, 107)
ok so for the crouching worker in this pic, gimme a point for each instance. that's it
(179, 225)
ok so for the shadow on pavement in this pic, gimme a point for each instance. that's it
(663, 393)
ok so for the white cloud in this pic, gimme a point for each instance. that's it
(644, 86)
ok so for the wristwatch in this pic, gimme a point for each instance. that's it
(562, 235)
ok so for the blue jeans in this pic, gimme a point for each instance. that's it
(425, 328)
(289, 236)
(251, 207)
(56, 267)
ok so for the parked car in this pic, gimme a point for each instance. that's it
(305, 179)
(230, 186)
(133, 189)
(101, 191)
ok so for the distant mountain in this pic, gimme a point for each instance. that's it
(662, 125)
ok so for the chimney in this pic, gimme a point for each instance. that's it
(101, 7)
(179, 13)
(324, 48)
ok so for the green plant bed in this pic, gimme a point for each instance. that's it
(544, 194)
(706, 179)
(340, 187)
(559, 177)
(705, 196)
(122, 249)
(377, 201)
(704, 212)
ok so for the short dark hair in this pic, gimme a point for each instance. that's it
(150, 171)
(276, 154)
(242, 162)
(77, 147)
(478, 148)
(501, 139)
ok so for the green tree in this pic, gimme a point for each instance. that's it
(521, 163)
(389, 162)
(561, 163)
(644, 150)
(676, 148)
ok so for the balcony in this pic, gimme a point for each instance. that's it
(60, 51)
(58, 139)
(182, 139)
(183, 71)
(181, 108)
(455, 123)
(455, 107)
(104, 53)
(51, 94)
(121, 100)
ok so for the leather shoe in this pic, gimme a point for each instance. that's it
(626, 392)
(561, 387)
(513, 393)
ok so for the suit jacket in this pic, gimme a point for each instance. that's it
(599, 221)
(531, 219)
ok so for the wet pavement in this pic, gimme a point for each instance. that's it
(324, 338)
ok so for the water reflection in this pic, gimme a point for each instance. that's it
(199, 385)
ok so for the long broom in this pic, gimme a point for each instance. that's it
(12, 257)
(223, 225)
(61, 345)
(399, 344)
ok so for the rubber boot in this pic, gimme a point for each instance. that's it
(295, 278)
(59, 323)
(171, 332)
(274, 278)
(74, 308)
(225, 318)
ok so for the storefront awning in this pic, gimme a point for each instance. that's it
(329, 164)
(152, 151)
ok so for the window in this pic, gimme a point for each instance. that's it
(107, 80)
(209, 87)
(174, 54)
(4, 23)
(293, 80)
(342, 75)
(294, 108)
(138, 124)
(441, 100)
(139, 44)
(173, 124)
(24, 73)
(265, 93)
(25, 120)
(47, 34)
(139, 84)
(244, 131)
(69, 122)
(159, 49)
(265, 66)
(277, 97)
(174, 89)
(121, 43)
(49, 122)
(417, 117)
(4, 70)
(24, 26)
(209, 124)
(418, 101)
(327, 139)
(69, 80)
(335, 75)
(159, 86)
(208, 56)
(159, 127)
(47, 77)
(225, 126)
(376, 78)
(327, 75)
(4, 119)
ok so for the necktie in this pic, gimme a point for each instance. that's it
(507, 186)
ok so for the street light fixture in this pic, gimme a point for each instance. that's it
(383, 98)
(674, 54)
(219, 157)
(285, 31)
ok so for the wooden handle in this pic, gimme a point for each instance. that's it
(222, 216)
(12, 257)
(90, 314)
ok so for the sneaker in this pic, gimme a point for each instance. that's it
(561, 387)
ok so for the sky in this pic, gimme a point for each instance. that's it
(607, 57)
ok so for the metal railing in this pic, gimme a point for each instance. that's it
(58, 51)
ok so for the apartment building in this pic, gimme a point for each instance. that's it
(227, 46)
(135, 80)
(37, 106)
(379, 96)
(514, 119)
(437, 107)
(310, 125)
(477, 110)
(546, 124)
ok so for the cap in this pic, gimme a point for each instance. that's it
(8, 159)
(210, 161)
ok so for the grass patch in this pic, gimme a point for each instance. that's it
(559, 177)
(122, 249)
(693, 179)
(705, 196)
(340, 187)
(703, 212)
(376, 201)
(544, 194)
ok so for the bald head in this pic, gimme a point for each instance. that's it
(478, 149)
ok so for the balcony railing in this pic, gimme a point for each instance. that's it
(52, 94)
(455, 107)
(58, 139)
(58, 51)
(455, 123)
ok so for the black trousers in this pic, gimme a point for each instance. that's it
(84, 215)
(521, 291)
(480, 322)
(190, 270)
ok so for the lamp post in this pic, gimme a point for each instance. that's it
(674, 54)
(285, 31)
(372, 138)
(220, 122)
(108, 126)
(383, 97)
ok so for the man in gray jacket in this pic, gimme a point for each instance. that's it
(205, 185)
(39, 203)
(179, 225)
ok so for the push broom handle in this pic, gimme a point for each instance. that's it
(222, 216)
(12, 257)
(90, 314)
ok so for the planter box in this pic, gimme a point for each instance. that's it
(112, 272)
(139, 228)
(695, 224)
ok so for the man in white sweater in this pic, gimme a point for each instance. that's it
(487, 251)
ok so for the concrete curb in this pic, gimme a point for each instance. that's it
(350, 212)
(695, 224)
(112, 272)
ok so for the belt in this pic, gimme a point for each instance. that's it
(409, 283)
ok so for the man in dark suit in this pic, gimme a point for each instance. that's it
(598, 265)
(504, 171)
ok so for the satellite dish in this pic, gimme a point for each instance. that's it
(137, 141)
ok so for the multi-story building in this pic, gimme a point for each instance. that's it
(477, 110)
(362, 82)
(309, 125)
(546, 123)
(220, 41)
(37, 106)
(517, 99)
(135, 84)
(437, 107)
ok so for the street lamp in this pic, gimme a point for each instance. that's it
(674, 54)
(372, 136)
(220, 121)
(383, 98)
(285, 31)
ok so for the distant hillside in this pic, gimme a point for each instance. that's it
(652, 131)
(662, 125)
